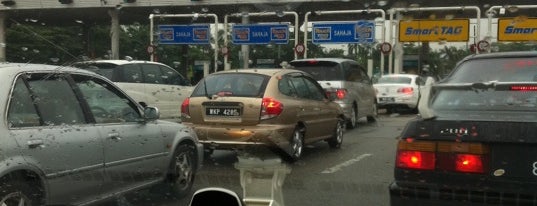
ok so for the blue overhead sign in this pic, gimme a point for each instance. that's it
(260, 34)
(362, 32)
(184, 34)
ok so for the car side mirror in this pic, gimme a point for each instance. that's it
(151, 113)
(331, 96)
(214, 196)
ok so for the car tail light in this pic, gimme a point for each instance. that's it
(341, 93)
(468, 163)
(416, 155)
(416, 160)
(446, 156)
(270, 108)
(184, 108)
(405, 90)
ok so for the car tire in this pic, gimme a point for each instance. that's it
(182, 171)
(296, 144)
(16, 192)
(353, 121)
(373, 117)
(337, 138)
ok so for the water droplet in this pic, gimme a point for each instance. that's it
(382, 3)
(55, 59)
(24, 48)
(204, 9)
(79, 21)
(35, 51)
(156, 11)
(280, 13)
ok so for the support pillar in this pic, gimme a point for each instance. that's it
(3, 31)
(114, 33)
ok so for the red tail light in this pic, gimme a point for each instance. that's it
(184, 107)
(468, 163)
(415, 160)
(444, 156)
(405, 90)
(341, 93)
(270, 108)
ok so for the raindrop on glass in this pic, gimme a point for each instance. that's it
(55, 59)
(79, 21)
(24, 48)
(35, 51)
(204, 9)
(280, 13)
(156, 11)
(382, 3)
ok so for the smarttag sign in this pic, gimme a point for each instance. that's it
(515, 29)
(184, 34)
(343, 32)
(434, 30)
(260, 34)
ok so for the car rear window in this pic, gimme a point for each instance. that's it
(394, 80)
(484, 100)
(321, 70)
(103, 69)
(499, 69)
(232, 84)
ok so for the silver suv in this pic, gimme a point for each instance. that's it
(348, 80)
(153, 83)
(71, 137)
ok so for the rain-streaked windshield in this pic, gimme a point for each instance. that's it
(232, 84)
(488, 100)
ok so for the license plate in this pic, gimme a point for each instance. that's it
(226, 112)
(386, 99)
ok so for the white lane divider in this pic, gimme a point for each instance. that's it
(345, 164)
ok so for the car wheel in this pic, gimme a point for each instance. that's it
(352, 122)
(373, 117)
(18, 193)
(182, 170)
(296, 144)
(337, 138)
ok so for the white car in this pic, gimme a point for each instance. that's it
(153, 83)
(399, 91)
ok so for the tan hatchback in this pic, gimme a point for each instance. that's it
(278, 108)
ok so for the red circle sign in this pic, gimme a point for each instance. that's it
(385, 47)
(224, 50)
(299, 49)
(150, 49)
(483, 45)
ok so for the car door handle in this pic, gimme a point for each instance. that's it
(114, 136)
(33, 143)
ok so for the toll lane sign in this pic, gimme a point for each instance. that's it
(434, 30)
(343, 32)
(184, 34)
(260, 34)
(517, 29)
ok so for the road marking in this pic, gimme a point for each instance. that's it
(345, 164)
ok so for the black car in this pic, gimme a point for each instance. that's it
(475, 143)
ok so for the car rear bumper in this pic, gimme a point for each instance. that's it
(409, 102)
(237, 137)
(463, 196)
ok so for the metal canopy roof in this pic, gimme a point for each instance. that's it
(51, 12)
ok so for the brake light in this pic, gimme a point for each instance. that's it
(313, 62)
(184, 108)
(416, 160)
(405, 90)
(462, 157)
(270, 108)
(468, 163)
(341, 93)
(524, 88)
